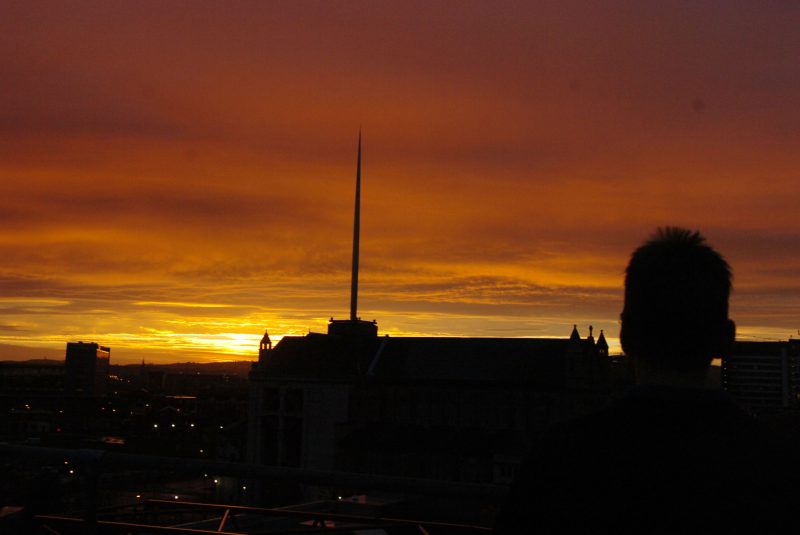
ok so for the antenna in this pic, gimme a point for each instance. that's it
(356, 232)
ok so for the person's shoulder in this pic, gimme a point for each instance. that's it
(572, 473)
(616, 419)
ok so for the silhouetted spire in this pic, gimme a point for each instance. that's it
(602, 345)
(574, 337)
(356, 233)
(601, 341)
(590, 338)
(355, 326)
(266, 343)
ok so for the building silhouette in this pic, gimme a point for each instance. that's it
(763, 376)
(458, 409)
(38, 378)
(83, 373)
(86, 369)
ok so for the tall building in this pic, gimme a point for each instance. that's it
(763, 376)
(86, 369)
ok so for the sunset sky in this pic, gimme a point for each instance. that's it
(177, 177)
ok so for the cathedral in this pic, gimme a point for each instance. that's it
(457, 409)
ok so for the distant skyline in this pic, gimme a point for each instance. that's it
(175, 178)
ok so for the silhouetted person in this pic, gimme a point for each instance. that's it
(671, 456)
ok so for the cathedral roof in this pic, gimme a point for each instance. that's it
(321, 357)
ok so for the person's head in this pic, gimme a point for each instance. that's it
(675, 315)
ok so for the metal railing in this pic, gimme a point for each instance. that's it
(95, 462)
(327, 522)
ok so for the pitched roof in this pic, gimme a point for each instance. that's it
(416, 359)
(319, 357)
(470, 359)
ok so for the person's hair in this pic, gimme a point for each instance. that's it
(676, 301)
